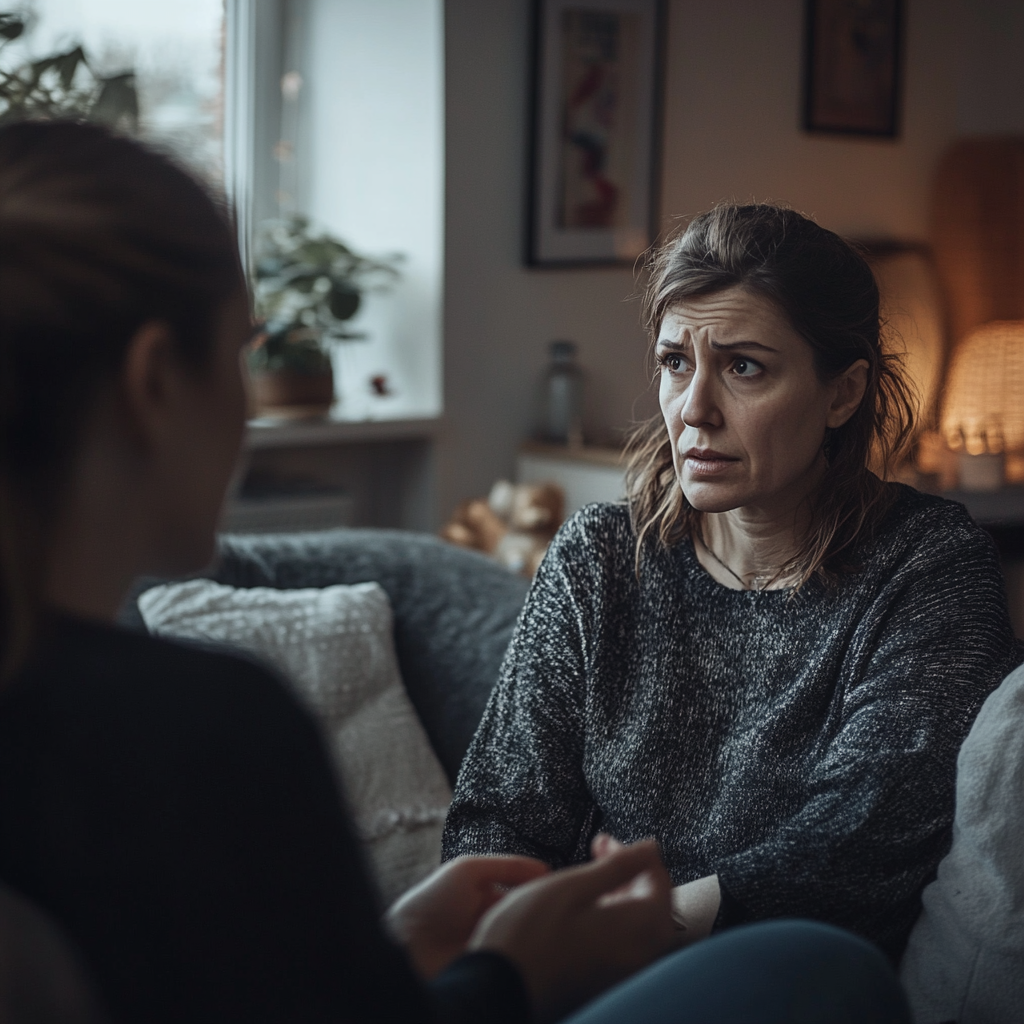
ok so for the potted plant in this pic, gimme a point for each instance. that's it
(63, 85)
(306, 288)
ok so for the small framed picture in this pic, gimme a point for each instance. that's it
(595, 131)
(852, 66)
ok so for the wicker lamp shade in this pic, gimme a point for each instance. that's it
(978, 231)
(983, 409)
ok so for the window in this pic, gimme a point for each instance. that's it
(330, 108)
(340, 112)
(175, 49)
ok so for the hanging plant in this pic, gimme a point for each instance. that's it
(63, 85)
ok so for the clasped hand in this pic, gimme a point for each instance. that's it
(571, 933)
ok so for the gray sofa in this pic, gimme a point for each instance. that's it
(454, 611)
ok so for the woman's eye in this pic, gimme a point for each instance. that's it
(746, 368)
(673, 362)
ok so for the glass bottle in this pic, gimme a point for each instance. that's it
(562, 412)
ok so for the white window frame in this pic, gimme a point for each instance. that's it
(254, 40)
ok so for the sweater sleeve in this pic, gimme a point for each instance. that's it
(521, 788)
(176, 812)
(481, 986)
(875, 813)
(226, 882)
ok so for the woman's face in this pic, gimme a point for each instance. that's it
(204, 438)
(745, 409)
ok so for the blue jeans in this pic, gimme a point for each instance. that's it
(776, 972)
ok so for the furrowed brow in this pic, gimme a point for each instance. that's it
(722, 346)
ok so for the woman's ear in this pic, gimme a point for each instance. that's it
(150, 381)
(847, 393)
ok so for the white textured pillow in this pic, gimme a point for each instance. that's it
(335, 647)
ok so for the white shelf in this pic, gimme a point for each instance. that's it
(274, 433)
(585, 474)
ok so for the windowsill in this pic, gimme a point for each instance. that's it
(265, 432)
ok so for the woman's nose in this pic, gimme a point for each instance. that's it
(701, 407)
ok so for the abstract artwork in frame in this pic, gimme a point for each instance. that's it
(594, 139)
(852, 66)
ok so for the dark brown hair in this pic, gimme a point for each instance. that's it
(98, 235)
(828, 294)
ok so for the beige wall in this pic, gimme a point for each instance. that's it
(732, 120)
(732, 108)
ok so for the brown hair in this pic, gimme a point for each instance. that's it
(828, 294)
(98, 235)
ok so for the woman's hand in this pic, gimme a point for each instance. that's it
(694, 905)
(435, 919)
(576, 932)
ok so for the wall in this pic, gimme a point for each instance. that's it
(732, 120)
(732, 107)
(371, 159)
(989, 67)
(499, 316)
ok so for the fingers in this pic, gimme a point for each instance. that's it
(602, 845)
(643, 927)
(500, 871)
(590, 881)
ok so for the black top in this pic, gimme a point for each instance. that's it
(803, 747)
(175, 811)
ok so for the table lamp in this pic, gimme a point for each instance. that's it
(983, 409)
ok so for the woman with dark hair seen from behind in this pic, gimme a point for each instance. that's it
(172, 811)
(768, 658)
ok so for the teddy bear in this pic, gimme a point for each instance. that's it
(514, 524)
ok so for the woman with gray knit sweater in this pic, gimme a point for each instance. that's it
(768, 658)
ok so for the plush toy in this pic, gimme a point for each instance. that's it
(514, 525)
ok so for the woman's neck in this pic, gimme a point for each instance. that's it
(86, 578)
(99, 539)
(748, 547)
(746, 551)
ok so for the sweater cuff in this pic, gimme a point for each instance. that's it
(730, 911)
(481, 986)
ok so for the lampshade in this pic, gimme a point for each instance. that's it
(983, 410)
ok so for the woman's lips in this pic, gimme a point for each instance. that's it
(707, 461)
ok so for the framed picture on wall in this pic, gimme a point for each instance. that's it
(595, 131)
(852, 66)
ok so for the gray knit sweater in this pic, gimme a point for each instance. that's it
(803, 748)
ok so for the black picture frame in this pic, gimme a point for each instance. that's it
(853, 67)
(595, 131)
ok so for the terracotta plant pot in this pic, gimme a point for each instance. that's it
(287, 393)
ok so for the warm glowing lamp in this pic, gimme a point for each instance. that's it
(983, 411)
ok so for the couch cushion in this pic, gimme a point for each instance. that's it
(334, 647)
(965, 957)
(454, 611)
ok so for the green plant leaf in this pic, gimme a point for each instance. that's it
(282, 351)
(67, 64)
(302, 280)
(312, 280)
(11, 25)
(343, 300)
(117, 101)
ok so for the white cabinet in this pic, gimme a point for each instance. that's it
(585, 473)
